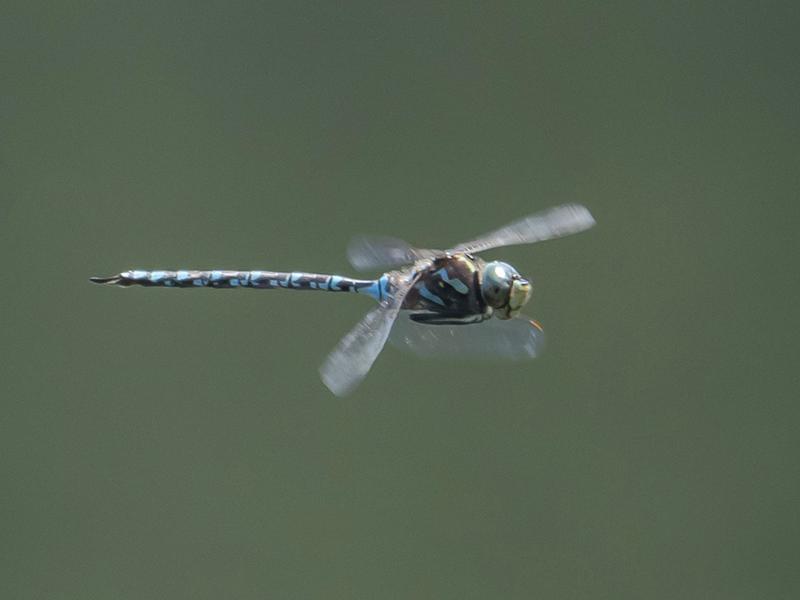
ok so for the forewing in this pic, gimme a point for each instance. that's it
(352, 358)
(513, 339)
(370, 253)
(546, 225)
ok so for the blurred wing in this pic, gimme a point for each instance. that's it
(546, 225)
(369, 253)
(352, 358)
(514, 339)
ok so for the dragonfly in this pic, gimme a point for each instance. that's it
(432, 303)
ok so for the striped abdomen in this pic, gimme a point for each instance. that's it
(247, 279)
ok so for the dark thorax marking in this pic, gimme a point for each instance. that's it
(447, 292)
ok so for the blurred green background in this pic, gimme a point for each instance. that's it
(179, 444)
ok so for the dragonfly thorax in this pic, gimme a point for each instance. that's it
(446, 290)
(504, 289)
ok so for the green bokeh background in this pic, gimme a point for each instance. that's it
(179, 444)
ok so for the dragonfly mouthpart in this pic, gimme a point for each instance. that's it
(521, 290)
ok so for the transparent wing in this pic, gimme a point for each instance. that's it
(371, 252)
(546, 225)
(352, 358)
(514, 339)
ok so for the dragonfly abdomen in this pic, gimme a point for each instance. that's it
(246, 279)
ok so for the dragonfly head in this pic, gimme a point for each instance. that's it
(504, 289)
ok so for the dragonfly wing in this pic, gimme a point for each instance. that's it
(513, 339)
(546, 225)
(369, 253)
(352, 358)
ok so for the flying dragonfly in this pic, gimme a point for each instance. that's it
(432, 302)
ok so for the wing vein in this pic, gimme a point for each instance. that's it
(352, 358)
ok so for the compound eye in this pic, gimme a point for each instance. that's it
(498, 278)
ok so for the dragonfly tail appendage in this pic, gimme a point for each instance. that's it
(246, 279)
(113, 280)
